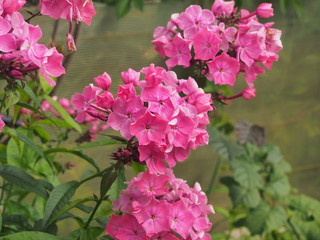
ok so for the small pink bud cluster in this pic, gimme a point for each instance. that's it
(20, 52)
(222, 42)
(168, 117)
(160, 207)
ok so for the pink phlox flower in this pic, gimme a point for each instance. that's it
(164, 236)
(11, 6)
(200, 137)
(130, 229)
(153, 76)
(194, 19)
(5, 26)
(159, 100)
(179, 52)
(81, 102)
(248, 47)
(130, 76)
(2, 124)
(149, 127)
(206, 44)
(114, 225)
(170, 79)
(126, 92)
(222, 8)
(154, 217)
(65, 103)
(181, 128)
(124, 114)
(103, 81)
(223, 69)
(176, 154)
(273, 42)
(189, 87)
(159, 44)
(20, 26)
(153, 184)
(8, 43)
(252, 72)
(181, 219)
(246, 16)
(202, 101)
(55, 8)
(105, 100)
(153, 155)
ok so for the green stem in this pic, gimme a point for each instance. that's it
(93, 213)
(214, 176)
(94, 175)
(293, 229)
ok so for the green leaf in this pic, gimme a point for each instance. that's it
(123, 7)
(33, 146)
(104, 210)
(309, 229)
(306, 205)
(107, 180)
(137, 167)
(23, 180)
(3, 153)
(276, 219)
(246, 172)
(278, 185)
(45, 86)
(53, 122)
(98, 143)
(30, 236)
(43, 134)
(30, 92)
(0, 220)
(12, 96)
(138, 4)
(69, 206)
(58, 198)
(74, 152)
(117, 186)
(223, 146)
(64, 114)
(250, 197)
(12, 133)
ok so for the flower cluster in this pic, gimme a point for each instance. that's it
(20, 52)
(222, 42)
(160, 207)
(168, 117)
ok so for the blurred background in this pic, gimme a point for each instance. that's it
(287, 104)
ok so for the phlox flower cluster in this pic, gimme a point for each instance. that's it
(221, 42)
(167, 116)
(20, 51)
(160, 207)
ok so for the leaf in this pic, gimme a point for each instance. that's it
(250, 197)
(12, 133)
(256, 218)
(74, 152)
(23, 180)
(137, 167)
(305, 204)
(98, 143)
(223, 146)
(278, 185)
(246, 172)
(107, 180)
(33, 146)
(30, 236)
(123, 7)
(12, 96)
(58, 198)
(30, 92)
(104, 210)
(44, 135)
(64, 114)
(18, 220)
(45, 86)
(309, 229)
(117, 186)
(69, 206)
(53, 122)
(276, 219)
(138, 4)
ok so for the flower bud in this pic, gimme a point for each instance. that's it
(265, 10)
(103, 81)
(248, 93)
(70, 42)
(130, 76)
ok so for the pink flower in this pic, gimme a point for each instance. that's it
(103, 81)
(149, 128)
(223, 69)
(221, 7)
(11, 6)
(248, 93)
(179, 52)
(265, 10)
(206, 44)
(2, 124)
(130, 76)
(126, 92)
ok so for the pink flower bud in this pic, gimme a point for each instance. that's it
(1, 122)
(265, 10)
(70, 42)
(130, 76)
(248, 93)
(103, 81)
